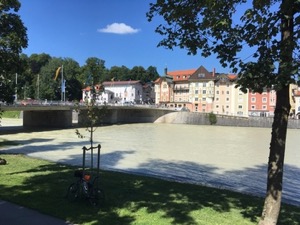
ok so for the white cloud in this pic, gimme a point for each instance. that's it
(118, 28)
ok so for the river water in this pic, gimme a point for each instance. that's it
(233, 158)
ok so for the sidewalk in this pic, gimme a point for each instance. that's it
(12, 214)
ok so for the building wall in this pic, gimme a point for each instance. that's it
(224, 98)
(202, 95)
(127, 93)
(262, 104)
(240, 103)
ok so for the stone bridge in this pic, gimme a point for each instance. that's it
(62, 116)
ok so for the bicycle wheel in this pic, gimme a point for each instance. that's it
(73, 192)
(97, 196)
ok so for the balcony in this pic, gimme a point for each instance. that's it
(181, 89)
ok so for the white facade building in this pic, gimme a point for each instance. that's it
(125, 91)
(121, 92)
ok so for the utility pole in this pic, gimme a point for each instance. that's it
(38, 86)
(16, 88)
(63, 84)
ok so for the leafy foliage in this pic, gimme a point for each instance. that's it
(212, 118)
(13, 38)
(267, 29)
(210, 27)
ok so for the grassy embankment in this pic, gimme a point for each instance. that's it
(130, 199)
(11, 114)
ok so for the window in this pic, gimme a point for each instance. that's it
(204, 92)
(253, 99)
(264, 99)
(217, 99)
(196, 92)
(217, 92)
(203, 99)
(264, 107)
(201, 75)
(252, 106)
(227, 92)
(165, 86)
(196, 99)
(217, 106)
(227, 99)
(227, 106)
(240, 106)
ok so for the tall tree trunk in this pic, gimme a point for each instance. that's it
(279, 128)
(276, 159)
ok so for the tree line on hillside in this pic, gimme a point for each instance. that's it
(35, 77)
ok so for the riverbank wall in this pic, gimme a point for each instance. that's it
(126, 115)
(221, 120)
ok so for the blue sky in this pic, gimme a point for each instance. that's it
(116, 31)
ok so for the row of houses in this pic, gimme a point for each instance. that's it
(196, 90)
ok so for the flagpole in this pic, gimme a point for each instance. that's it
(62, 83)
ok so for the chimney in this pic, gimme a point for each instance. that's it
(166, 71)
(214, 71)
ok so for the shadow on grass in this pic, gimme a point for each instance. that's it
(44, 185)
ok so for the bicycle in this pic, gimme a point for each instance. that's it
(86, 187)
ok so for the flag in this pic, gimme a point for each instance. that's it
(57, 72)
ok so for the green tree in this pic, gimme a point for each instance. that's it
(152, 74)
(118, 73)
(13, 38)
(50, 89)
(136, 73)
(31, 75)
(270, 30)
(95, 68)
(71, 73)
(37, 61)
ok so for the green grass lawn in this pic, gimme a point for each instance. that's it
(11, 114)
(130, 199)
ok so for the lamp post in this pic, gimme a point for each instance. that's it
(16, 88)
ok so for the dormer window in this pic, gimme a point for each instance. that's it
(201, 75)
